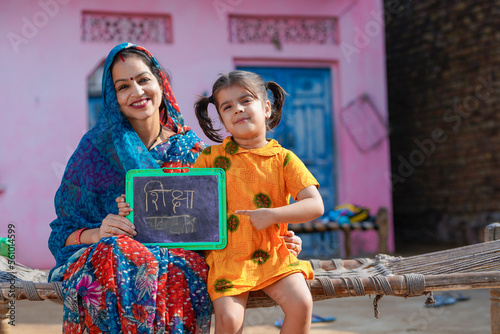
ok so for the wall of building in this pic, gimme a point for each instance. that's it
(44, 92)
(443, 81)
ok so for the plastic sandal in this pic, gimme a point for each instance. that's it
(457, 295)
(315, 318)
(278, 323)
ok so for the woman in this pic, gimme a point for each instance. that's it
(112, 283)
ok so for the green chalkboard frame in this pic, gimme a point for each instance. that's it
(179, 172)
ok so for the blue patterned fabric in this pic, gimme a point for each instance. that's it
(95, 174)
(121, 286)
(94, 177)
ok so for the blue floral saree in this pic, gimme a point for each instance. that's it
(119, 285)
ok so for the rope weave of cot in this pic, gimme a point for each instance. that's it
(28, 287)
(24, 280)
(375, 271)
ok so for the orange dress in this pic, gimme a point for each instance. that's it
(257, 178)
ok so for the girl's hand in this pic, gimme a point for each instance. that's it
(114, 225)
(123, 207)
(293, 242)
(260, 218)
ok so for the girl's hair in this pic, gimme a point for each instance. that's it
(250, 82)
(132, 52)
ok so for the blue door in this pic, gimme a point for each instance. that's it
(306, 124)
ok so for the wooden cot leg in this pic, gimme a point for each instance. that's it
(347, 242)
(4, 316)
(495, 310)
(492, 232)
(382, 221)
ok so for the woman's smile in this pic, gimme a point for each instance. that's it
(140, 104)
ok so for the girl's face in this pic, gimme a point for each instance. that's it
(243, 116)
(138, 92)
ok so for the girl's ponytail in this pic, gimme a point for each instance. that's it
(277, 106)
(201, 111)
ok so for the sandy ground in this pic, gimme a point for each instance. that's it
(354, 315)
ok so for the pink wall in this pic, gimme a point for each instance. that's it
(44, 97)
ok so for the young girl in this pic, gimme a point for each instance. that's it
(261, 176)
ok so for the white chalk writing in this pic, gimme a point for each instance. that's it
(182, 224)
(155, 191)
(176, 201)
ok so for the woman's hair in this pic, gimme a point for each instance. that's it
(155, 70)
(250, 82)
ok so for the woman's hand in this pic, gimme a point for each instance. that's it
(116, 225)
(111, 225)
(123, 207)
(293, 242)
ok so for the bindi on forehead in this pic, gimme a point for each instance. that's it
(131, 78)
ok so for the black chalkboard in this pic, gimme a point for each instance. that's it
(183, 208)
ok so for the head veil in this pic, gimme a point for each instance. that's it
(95, 174)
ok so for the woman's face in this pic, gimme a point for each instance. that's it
(138, 92)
